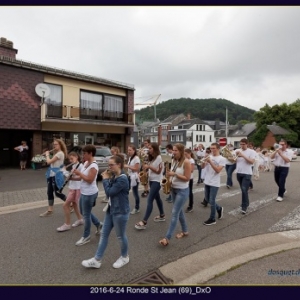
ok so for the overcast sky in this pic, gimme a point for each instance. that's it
(248, 55)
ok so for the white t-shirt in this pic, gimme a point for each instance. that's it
(155, 164)
(74, 184)
(176, 182)
(279, 162)
(200, 154)
(89, 188)
(192, 161)
(133, 162)
(242, 166)
(213, 178)
(61, 157)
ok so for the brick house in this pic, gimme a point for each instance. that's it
(80, 109)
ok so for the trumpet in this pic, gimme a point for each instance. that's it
(236, 155)
(108, 172)
(203, 160)
(277, 147)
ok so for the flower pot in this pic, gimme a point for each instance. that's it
(36, 166)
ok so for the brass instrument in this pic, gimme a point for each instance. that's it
(166, 182)
(232, 157)
(144, 176)
(108, 172)
(277, 147)
(203, 160)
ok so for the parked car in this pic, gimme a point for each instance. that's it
(295, 153)
(102, 156)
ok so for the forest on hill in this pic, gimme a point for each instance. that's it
(205, 109)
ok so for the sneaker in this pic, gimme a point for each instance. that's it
(198, 183)
(145, 194)
(279, 199)
(140, 225)
(204, 203)
(83, 241)
(220, 213)
(159, 219)
(121, 261)
(98, 228)
(71, 209)
(244, 211)
(189, 209)
(228, 186)
(46, 214)
(64, 227)
(209, 222)
(285, 193)
(134, 211)
(104, 200)
(78, 222)
(91, 263)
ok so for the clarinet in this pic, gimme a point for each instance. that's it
(68, 179)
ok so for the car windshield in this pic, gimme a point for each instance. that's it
(103, 152)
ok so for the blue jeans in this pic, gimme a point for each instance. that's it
(210, 196)
(154, 194)
(199, 173)
(52, 188)
(280, 175)
(119, 222)
(229, 172)
(135, 192)
(244, 181)
(86, 203)
(179, 197)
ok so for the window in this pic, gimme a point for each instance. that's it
(54, 101)
(113, 106)
(210, 138)
(90, 105)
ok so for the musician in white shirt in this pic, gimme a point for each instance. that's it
(244, 163)
(200, 154)
(282, 158)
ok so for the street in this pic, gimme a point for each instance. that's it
(33, 252)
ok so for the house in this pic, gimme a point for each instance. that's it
(241, 132)
(272, 136)
(75, 107)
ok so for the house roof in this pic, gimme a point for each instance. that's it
(276, 130)
(61, 72)
(244, 130)
(172, 119)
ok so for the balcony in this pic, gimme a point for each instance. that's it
(67, 112)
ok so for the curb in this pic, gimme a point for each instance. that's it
(206, 264)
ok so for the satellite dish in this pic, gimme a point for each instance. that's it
(43, 90)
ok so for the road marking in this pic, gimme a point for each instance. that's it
(289, 222)
(255, 205)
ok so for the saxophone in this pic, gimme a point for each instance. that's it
(144, 177)
(166, 182)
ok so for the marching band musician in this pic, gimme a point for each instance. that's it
(190, 156)
(180, 173)
(55, 163)
(145, 149)
(213, 165)
(169, 149)
(230, 167)
(133, 167)
(155, 168)
(244, 163)
(200, 154)
(282, 158)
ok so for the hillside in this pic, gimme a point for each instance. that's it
(205, 109)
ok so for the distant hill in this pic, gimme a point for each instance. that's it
(205, 109)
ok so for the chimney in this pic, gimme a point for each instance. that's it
(188, 116)
(7, 48)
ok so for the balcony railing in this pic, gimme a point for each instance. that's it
(54, 111)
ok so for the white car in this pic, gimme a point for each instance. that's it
(295, 152)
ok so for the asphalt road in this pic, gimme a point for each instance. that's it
(33, 252)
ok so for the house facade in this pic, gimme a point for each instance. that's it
(78, 108)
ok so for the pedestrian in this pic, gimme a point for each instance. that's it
(155, 169)
(73, 195)
(244, 162)
(180, 175)
(117, 213)
(88, 193)
(282, 158)
(213, 165)
(133, 167)
(203, 172)
(200, 154)
(251, 146)
(190, 156)
(23, 154)
(54, 174)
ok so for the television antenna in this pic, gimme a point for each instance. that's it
(146, 103)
